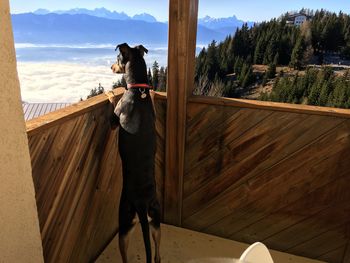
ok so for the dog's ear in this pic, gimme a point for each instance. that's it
(124, 49)
(142, 49)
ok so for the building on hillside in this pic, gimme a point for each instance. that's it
(297, 19)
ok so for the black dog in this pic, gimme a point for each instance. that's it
(137, 145)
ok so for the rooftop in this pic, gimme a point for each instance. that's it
(34, 110)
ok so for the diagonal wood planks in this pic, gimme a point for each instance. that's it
(77, 177)
(250, 174)
(263, 174)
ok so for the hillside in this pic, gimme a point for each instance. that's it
(227, 68)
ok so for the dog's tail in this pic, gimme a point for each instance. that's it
(142, 213)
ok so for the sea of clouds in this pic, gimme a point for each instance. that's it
(61, 82)
(63, 73)
(66, 73)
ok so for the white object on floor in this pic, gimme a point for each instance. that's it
(214, 260)
(256, 253)
(180, 245)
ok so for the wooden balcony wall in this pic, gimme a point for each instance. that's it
(243, 170)
(253, 171)
(77, 177)
(269, 172)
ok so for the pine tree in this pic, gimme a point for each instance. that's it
(120, 83)
(325, 90)
(149, 76)
(96, 91)
(339, 94)
(155, 75)
(271, 71)
(313, 98)
(271, 50)
(242, 74)
(238, 66)
(345, 51)
(297, 54)
(259, 52)
(248, 77)
(200, 61)
(166, 79)
(162, 79)
(212, 66)
(276, 59)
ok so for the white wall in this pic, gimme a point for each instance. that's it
(299, 20)
(20, 239)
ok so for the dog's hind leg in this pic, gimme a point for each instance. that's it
(141, 210)
(156, 239)
(154, 212)
(124, 242)
(127, 214)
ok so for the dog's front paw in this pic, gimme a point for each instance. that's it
(111, 96)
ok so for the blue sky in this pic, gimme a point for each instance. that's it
(248, 10)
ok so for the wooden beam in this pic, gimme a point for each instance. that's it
(181, 62)
(58, 117)
(274, 106)
(44, 122)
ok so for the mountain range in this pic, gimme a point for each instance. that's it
(78, 26)
(99, 12)
(226, 25)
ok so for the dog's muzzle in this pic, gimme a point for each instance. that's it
(118, 68)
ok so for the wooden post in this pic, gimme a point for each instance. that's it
(181, 63)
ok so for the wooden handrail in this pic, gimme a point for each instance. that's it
(268, 105)
(161, 96)
(62, 115)
(77, 109)
(57, 117)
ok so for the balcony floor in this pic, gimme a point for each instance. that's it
(180, 245)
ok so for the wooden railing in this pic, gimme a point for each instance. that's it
(253, 171)
(77, 177)
(270, 172)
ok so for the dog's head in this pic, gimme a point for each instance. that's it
(127, 54)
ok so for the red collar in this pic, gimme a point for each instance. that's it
(142, 85)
